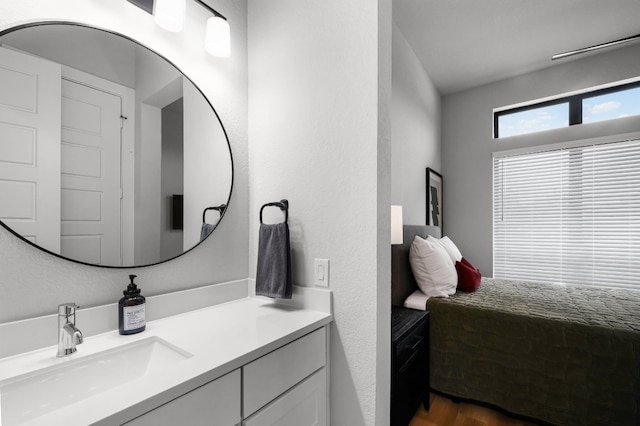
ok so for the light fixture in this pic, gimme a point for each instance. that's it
(218, 37)
(396, 225)
(169, 14)
(596, 47)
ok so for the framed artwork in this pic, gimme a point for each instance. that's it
(434, 199)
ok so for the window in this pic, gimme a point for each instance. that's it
(611, 105)
(596, 105)
(569, 216)
(533, 120)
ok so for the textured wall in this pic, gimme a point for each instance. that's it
(468, 143)
(318, 86)
(415, 112)
(32, 283)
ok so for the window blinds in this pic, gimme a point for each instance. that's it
(569, 216)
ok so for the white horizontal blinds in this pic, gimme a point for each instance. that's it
(527, 199)
(569, 215)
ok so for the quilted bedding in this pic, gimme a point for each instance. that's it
(562, 354)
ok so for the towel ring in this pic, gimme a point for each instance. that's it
(282, 204)
(220, 209)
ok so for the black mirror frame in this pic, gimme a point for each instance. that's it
(78, 24)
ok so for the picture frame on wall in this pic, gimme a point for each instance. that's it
(434, 199)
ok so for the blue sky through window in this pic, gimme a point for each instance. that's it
(534, 120)
(613, 105)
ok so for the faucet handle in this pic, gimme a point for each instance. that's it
(67, 309)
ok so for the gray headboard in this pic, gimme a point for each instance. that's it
(402, 281)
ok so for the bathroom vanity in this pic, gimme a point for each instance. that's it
(210, 355)
(248, 362)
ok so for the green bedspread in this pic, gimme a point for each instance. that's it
(566, 355)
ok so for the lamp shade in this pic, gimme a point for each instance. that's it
(396, 225)
(169, 14)
(218, 37)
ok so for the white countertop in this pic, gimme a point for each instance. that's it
(221, 338)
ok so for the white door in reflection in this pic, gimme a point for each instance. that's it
(30, 147)
(90, 175)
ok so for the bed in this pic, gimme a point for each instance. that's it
(565, 355)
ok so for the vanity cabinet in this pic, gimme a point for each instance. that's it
(304, 405)
(266, 378)
(216, 403)
(286, 387)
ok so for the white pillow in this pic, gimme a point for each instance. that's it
(449, 246)
(432, 268)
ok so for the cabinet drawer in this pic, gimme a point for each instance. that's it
(266, 378)
(216, 403)
(304, 405)
(410, 344)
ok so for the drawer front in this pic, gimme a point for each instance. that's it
(411, 343)
(216, 403)
(268, 377)
(304, 405)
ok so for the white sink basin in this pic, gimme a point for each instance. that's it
(31, 395)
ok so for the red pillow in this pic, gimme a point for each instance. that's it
(468, 276)
(467, 263)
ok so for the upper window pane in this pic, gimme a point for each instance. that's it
(533, 120)
(612, 105)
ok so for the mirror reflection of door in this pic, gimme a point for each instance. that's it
(90, 174)
(59, 137)
(30, 147)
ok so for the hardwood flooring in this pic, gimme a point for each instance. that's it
(445, 412)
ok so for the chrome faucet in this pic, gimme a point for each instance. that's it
(68, 334)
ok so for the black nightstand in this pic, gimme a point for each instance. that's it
(409, 363)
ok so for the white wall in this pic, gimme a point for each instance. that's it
(467, 139)
(319, 99)
(383, 261)
(208, 178)
(415, 113)
(157, 85)
(33, 283)
(172, 177)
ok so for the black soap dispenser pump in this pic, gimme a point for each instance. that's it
(131, 310)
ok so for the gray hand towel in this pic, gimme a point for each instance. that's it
(273, 277)
(206, 229)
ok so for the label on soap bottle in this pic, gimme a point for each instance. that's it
(133, 317)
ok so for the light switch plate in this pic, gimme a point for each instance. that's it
(321, 272)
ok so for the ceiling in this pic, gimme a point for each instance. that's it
(468, 43)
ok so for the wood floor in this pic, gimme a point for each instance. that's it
(445, 412)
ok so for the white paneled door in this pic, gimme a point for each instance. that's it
(90, 174)
(30, 147)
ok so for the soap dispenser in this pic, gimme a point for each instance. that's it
(131, 310)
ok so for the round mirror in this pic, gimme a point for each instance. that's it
(109, 155)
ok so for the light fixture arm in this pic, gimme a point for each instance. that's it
(210, 9)
(147, 6)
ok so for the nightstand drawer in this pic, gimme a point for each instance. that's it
(410, 344)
